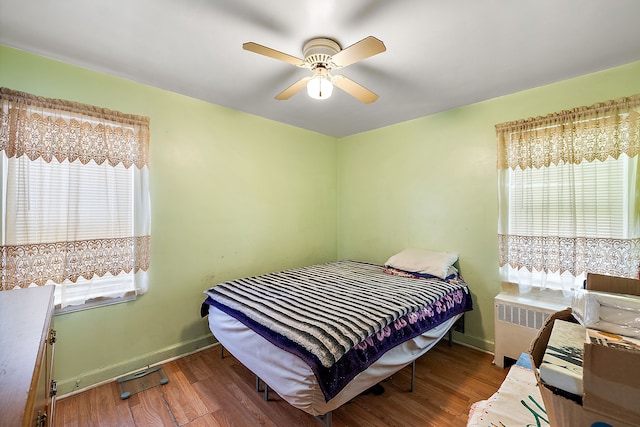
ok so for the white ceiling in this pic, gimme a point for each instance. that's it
(440, 54)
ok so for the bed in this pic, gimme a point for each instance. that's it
(320, 335)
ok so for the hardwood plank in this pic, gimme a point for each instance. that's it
(149, 409)
(207, 420)
(100, 406)
(67, 412)
(201, 365)
(206, 390)
(184, 403)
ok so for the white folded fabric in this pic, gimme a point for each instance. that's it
(615, 313)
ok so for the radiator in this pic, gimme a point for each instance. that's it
(517, 320)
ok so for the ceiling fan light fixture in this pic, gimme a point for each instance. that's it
(320, 87)
(322, 56)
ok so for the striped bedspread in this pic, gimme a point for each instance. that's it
(339, 317)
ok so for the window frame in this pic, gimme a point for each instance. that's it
(57, 131)
(580, 139)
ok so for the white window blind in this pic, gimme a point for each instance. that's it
(70, 200)
(588, 199)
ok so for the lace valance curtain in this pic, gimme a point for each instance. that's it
(76, 200)
(603, 130)
(568, 200)
(45, 128)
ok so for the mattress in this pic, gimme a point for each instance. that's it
(338, 327)
(293, 379)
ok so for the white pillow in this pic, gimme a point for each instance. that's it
(423, 261)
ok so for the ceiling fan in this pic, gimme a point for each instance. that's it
(321, 56)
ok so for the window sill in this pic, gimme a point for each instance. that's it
(99, 302)
(553, 296)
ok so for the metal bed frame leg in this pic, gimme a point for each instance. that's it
(326, 419)
(266, 388)
(221, 351)
(413, 375)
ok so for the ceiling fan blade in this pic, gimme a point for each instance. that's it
(293, 89)
(354, 89)
(363, 49)
(272, 53)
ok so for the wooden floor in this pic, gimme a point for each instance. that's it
(205, 390)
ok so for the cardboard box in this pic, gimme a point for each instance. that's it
(611, 377)
(617, 285)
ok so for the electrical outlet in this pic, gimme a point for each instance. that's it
(77, 384)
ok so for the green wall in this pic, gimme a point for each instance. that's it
(232, 195)
(432, 183)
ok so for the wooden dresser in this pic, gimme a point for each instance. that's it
(27, 391)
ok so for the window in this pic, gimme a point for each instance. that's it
(568, 196)
(75, 211)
